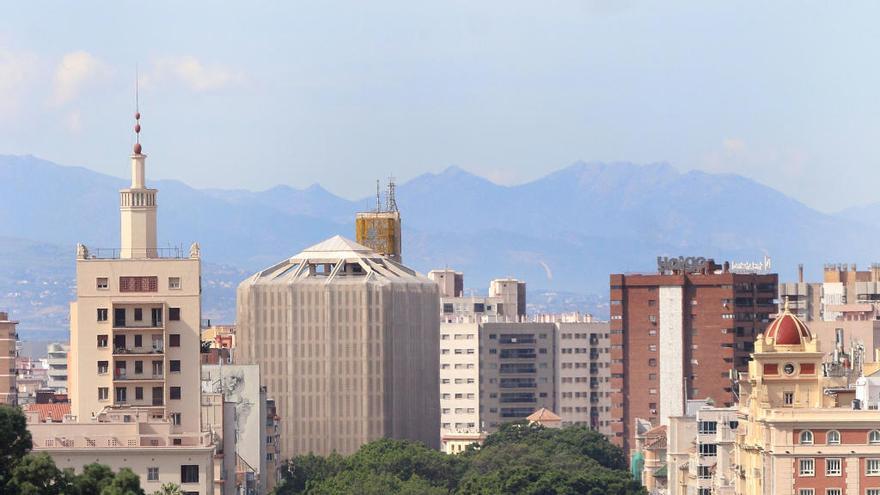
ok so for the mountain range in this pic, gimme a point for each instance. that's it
(563, 233)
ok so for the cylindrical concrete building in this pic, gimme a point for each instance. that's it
(348, 345)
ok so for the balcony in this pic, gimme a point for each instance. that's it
(138, 351)
(150, 253)
(138, 377)
(138, 325)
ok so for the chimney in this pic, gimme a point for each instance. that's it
(801, 273)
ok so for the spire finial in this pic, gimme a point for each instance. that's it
(137, 114)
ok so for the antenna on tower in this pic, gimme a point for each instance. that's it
(378, 197)
(390, 200)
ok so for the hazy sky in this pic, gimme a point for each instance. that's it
(344, 92)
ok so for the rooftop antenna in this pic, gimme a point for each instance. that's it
(390, 201)
(378, 198)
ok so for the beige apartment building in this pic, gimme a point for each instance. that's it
(348, 346)
(134, 372)
(8, 353)
(583, 374)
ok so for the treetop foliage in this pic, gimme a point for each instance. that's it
(518, 459)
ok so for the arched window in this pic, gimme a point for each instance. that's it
(806, 437)
(874, 437)
(833, 437)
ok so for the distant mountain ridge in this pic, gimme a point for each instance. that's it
(566, 231)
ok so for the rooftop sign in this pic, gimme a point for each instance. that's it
(685, 264)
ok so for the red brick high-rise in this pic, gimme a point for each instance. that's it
(676, 335)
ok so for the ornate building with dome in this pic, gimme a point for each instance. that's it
(800, 432)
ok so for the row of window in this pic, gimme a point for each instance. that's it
(833, 437)
(122, 393)
(458, 366)
(119, 315)
(457, 396)
(833, 467)
(828, 491)
(459, 410)
(119, 341)
(120, 369)
(137, 284)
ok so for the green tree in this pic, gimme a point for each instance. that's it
(168, 489)
(15, 439)
(36, 474)
(124, 483)
(94, 478)
(518, 459)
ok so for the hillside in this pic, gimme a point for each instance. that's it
(564, 232)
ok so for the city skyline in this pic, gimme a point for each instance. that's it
(333, 93)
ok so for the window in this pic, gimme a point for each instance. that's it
(874, 437)
(103, 393)
(102, 284)
(832, 467)
(174, 283)
(138, 340)
(708, 449)
(102, 341)
(806, 437)
(152, 474)
(833, 437)
(138, 314)
(652, 362)
(138, 367)
(121, 394)
(103, 367)
(174, 392)
(173, 314)
(788, 398)
(176, 418)
(704, 472)
(806, 467)
(138, 284)
(832, 491)
(102, 314)
(447, 308)
(139, 393)
(872, 491)
(174, 366)
(174, 340)
(708, 427)
(806, 491)
(872, 467)
(189, 473)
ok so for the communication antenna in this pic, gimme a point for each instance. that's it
(378, 198)
(390, 200)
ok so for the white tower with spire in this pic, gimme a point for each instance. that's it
(137, 205)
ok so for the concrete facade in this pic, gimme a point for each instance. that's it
(348, 346)
(8, 353)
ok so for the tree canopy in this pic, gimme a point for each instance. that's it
(518, 459)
